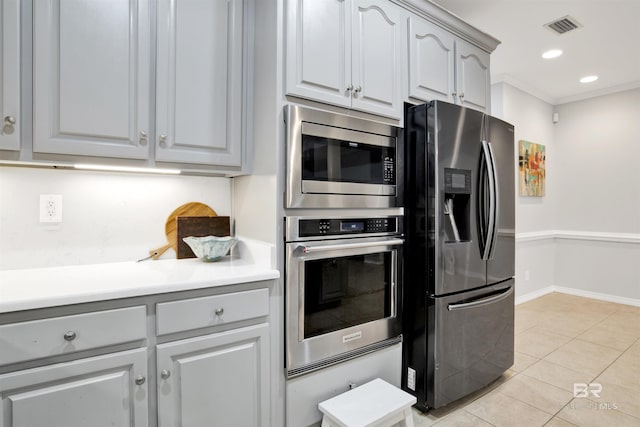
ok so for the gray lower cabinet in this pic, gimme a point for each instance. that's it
(93, 365)
(103, 391)
(221, 379)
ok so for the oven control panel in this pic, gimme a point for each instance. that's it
(346, 226)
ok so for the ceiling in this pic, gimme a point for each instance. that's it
(607, 44)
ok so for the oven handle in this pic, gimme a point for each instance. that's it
(312, 249)
(484, 301)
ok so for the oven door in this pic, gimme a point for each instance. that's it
(341, 299)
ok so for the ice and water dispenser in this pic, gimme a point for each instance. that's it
(457, 209)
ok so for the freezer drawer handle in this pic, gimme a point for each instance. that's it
(312, 249)
(484, 301)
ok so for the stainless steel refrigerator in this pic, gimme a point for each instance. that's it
(458, 299)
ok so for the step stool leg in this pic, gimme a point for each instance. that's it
(408, 418)
(326, 423)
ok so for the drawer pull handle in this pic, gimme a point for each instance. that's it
(70, 336)
(164, 374)
(140, 380)
(219, 311)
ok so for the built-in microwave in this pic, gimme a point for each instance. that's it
(338, 161)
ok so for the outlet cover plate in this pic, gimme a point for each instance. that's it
(51, 208)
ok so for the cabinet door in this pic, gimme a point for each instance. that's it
(199, 82)
(91, 77)
(215, 380)
(97, 392)
(10, 74)
(431, 61)
(378, 36)
(319, 50)
(473, 79)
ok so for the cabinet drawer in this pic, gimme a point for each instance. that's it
(184, 315)
(67, 334)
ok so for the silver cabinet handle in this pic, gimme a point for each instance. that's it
(164, 374)
(358, 89)
(9, 121)
(143, 138)
(70, 336)
(219, 311)
(163, 141)
(140, 379)
(461, 95)
(349, 88)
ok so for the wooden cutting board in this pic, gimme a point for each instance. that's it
(170, 226)
(199, 226)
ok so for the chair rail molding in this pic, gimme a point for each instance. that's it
(578, 235)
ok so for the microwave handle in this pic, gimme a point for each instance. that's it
(313, 249)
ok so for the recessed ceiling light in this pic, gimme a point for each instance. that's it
(588, 79)
(553, 53)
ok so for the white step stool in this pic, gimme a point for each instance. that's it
(376, 403)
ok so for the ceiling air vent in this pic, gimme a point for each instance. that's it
(563, 25)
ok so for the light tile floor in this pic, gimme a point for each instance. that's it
(560, 340)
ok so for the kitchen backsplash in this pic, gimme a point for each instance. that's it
(106, 217)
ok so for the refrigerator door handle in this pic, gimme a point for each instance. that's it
(481, 302)
(493, 208)
(488, 238)
(481, 204)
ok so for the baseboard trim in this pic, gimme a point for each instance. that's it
(577, 292)
(533, 295)
(598, 295)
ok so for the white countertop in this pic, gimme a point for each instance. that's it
(55, 286)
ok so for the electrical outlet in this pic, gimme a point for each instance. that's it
(51, 208)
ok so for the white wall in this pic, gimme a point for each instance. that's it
(598, 145)
(584, 235)
(532, 119)
(107, 217)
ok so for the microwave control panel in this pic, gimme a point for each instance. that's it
(345, 226)
(388, 171)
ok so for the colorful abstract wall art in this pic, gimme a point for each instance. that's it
(532, 169)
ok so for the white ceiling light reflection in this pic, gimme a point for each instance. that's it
(588, 79)
(553, 53)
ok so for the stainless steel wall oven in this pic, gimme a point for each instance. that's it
(343, 279)
(339, 161)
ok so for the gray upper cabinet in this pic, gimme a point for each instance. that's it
(472, 76)
(10, 74)
(199, 82)
(445, 67)
(92, 83)
(347, 53)
(91, 78)
(431, 61)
